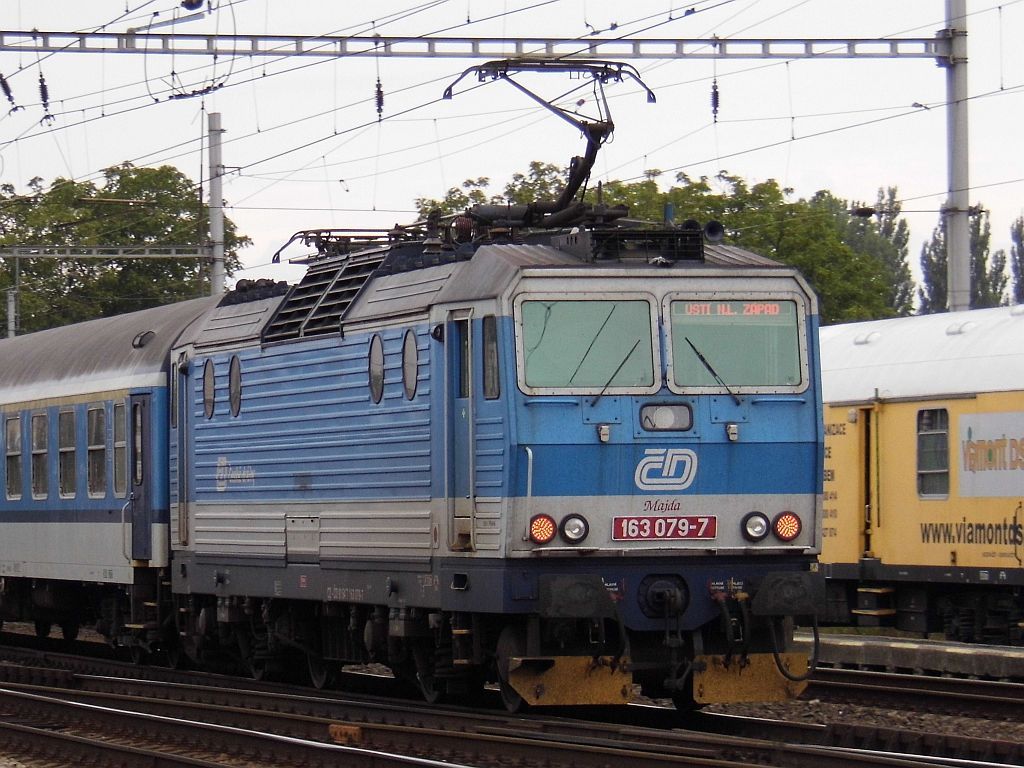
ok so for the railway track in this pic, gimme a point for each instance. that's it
(299, 729)
(990, 699)
(643, 735)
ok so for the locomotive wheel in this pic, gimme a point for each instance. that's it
(510, 644)
(685, 702)
(174, 655)
(431, 688)
(43, 628)
(321, 675)
(257, 668)
(69, 630)
(138, 655)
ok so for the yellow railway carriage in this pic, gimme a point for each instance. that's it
(923, 523)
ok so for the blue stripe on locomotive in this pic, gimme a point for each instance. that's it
(308, 431)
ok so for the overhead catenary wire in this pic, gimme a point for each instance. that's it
(755, 149)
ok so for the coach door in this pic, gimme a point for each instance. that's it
(459, 429)
(182, 411)
(140, 476)
(867, 439)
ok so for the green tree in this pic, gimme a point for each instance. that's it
(891, 226)
(932, 292)
(473, 192)
(853, 281)
(987, 272)
(988, 277)
(1017, 260)
(544, 181)
(132, 207)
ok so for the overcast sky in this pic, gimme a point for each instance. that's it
(306, 149)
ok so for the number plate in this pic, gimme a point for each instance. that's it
(664, 528)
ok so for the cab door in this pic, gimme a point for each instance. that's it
(459, 429)
(140, 476)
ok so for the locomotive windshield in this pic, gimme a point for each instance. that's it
(745, 343)
(587, 345)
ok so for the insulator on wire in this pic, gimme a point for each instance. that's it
(44, 92)
(44, 96)
(714, 99)
(7, 90)
(380, 99)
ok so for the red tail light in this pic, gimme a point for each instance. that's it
(542, 529)
(786, 526)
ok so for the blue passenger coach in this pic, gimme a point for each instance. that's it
(84, 509)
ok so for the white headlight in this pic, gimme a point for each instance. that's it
(575, 529)
(755, 526)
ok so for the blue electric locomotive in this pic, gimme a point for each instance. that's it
(471, 461)
(524, 445)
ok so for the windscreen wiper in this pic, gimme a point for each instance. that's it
(711, 370)
(616, 371)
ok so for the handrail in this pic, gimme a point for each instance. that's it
(124, 526)
(529, 488)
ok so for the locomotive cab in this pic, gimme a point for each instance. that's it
(662, 471)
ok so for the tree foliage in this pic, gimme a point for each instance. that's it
(131, 207)
(987, 271)
(1017, 260)
(857, 267)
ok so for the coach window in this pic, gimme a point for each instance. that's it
(120, 451)
(235, 385)
(40, 486)
(96, 445)
(492, 382)
(66, 453)
(933, 452)
(13, 464)
(138, 447)
(410, 364)
(209, 388)
(376, 368)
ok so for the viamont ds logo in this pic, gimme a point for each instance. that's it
(666, 469)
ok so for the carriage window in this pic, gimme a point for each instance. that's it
(933, 452)
(742, 343)
(376, 368)
(120, 451)
(410, 364)
(96, 438)
(209, 388)
(66, 453)
(235, 385)
(587, 345)
(137, 447)
(492, 383)
(40, 485)
(13, 464)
